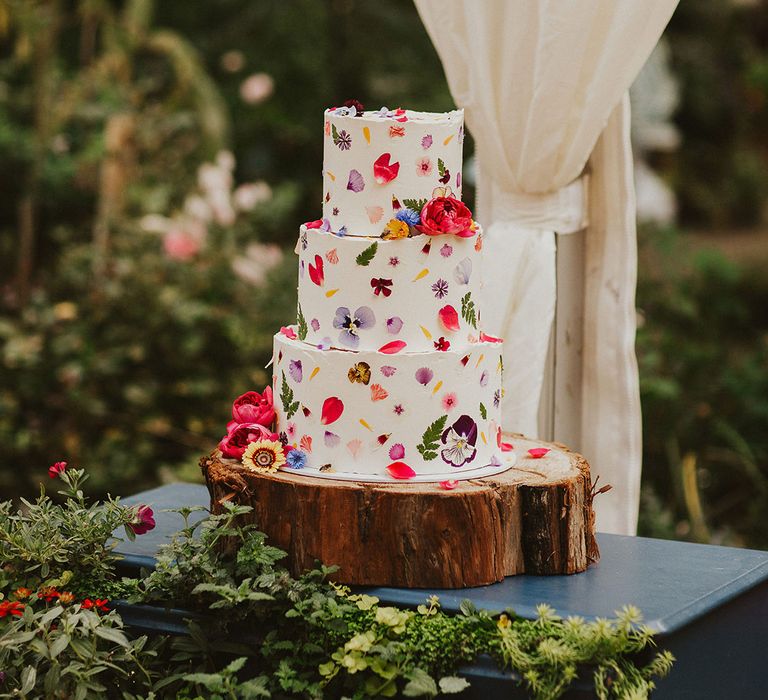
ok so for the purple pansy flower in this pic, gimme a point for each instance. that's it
(351, 323)
(459, 440)
(440, 288)
(295, 370)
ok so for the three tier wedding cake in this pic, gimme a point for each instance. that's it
(386, 372)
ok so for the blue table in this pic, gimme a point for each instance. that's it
(708, 604)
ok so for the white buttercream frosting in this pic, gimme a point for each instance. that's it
(425, 148)
(358, 412)
(400, 286)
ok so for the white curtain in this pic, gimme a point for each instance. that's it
(543, 84)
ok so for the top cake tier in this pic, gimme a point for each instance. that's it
(375, 162)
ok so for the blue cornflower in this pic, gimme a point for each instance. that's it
(296, 459)
(412, 218)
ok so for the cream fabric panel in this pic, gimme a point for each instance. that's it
(539, 81)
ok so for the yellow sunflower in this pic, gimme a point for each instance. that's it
(264, 456)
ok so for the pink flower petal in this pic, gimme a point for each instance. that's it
(316, 273)
(400, 470)
(538, 452)
(507, 447)
(449, 485)
(393, 347)
(449, 317)
(383, 170)
(485, 338)
(333, 407)
(288, 332)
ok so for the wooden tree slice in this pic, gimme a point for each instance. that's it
(535, 518)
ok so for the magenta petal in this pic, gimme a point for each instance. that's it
(393, 347)
(449, 485)
(400, 470)
(507, 447)
(449, 317)
(355, 182)
(333, 407)
(538, 452)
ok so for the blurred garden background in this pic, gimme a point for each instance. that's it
(156, 160)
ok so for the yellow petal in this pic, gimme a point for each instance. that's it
(314, 373)
(422, 274)
(330, 175)
(482, 437)
(367, 134)
(448, 140)
(365, 424)
(437, 387)
(331, 292)
(426, 333)
(479, 360)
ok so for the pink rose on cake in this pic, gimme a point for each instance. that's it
(253, 407)
(240, 435)
(445, 216)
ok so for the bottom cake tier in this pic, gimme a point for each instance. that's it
(358, 413)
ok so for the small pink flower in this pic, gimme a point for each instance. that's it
(143, 521)
(288, 332)
(398, 409)
(55, 469)
(446, 250)
(426, 141)
(397, 451)
(424, 167)
(449, 401)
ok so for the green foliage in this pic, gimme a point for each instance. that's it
(468, 312)
(45, 544)
(254, 631)
(431, 438)
(440, 167)
(702, 352)
(483, 412)
(366, 256)
(286, 397)
(415, 204)
(301, 323)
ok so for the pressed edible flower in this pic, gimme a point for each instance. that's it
(383, 170)
(360, 372)
(381, 286)
(351, 323)
(355, 105)
(264, 456)
(459, 440)
(538, 452)
(400, 470)
(442, 344)
(396, 228)
(288, 332)
(440, 288)
(424, 166)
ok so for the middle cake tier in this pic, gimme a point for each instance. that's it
(414, 294)
(358, 412)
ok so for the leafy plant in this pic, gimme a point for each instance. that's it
(286, 397)
(468, 312)
(431, 439)
(366, 256)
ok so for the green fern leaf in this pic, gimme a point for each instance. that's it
(483, 412)
(416, 204)
(431, 439)
(468, 310)
(301, 322)
(286, 397)
(440, 167)
(366, 256)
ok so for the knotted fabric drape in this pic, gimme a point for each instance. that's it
(543, 85)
